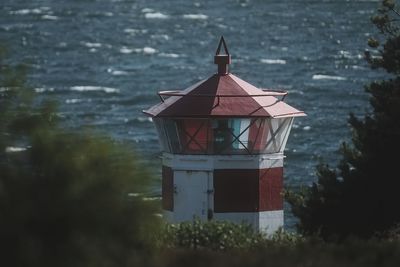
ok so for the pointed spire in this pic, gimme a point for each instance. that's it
(222, 60)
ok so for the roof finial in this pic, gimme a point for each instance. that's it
(222, 60)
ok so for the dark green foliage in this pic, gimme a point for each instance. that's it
(215, 244)
(212, 235)
(64, 197)
(307, 253)
(360, 197)
(223, 236)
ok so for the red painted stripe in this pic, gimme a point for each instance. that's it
(235, 190)
(248, 190)
(167, 188)
(271, 188)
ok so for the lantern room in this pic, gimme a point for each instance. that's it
(223, 141)
(223, 136)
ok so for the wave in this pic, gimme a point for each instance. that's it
(273, 61)
(279, 48)
(27, 11)
(49, 17)
(139, 120)
(221, 26)
(92, 45)
(170, 55)
(43, 90)
(328, 77)
(356, 67)
(348, 55)
(147, 50)
(298, 92)
(156, 15)
(160, 36)
(125, 50)
(16, 26)
(195, 16)
(90, 88)
(73, 101)
(147, 10)
(117, 72)
(135, 31)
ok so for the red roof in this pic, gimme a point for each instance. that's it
(222, 95)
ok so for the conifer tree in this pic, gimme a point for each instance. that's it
(361, 196)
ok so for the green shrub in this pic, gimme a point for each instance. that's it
(284, 238)
(211, 235)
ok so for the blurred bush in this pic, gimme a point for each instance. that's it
(64, 196)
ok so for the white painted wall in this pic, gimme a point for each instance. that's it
(270, 221)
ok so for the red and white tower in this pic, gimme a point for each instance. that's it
(223, 141)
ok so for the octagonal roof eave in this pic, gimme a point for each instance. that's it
(222, 96)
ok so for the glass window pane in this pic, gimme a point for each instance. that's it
(171, 130)
(258, 135)
(223, 136)
(284, 133)
(240, 133)
(194, 134)
(222, 133)
(231, 136)
(278, 131)
(161, 134)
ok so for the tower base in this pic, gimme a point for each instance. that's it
(236, 188)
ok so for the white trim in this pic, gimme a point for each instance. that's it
(272, 156)
(212, 162)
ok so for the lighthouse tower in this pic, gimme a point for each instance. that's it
(223, 141)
